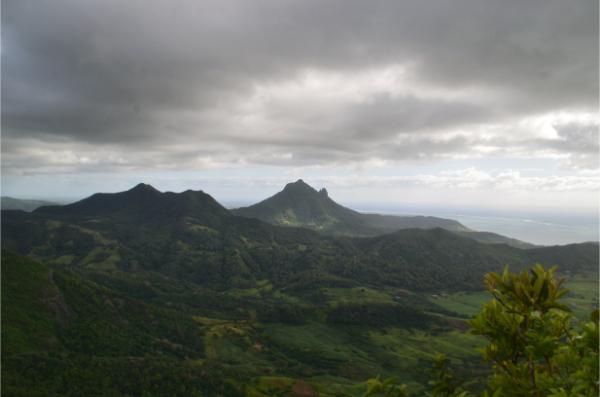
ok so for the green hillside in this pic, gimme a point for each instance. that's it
(63, 335)
(145, 293)
(138, 334)
(66, 335)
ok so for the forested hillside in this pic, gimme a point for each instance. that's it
(146, 293)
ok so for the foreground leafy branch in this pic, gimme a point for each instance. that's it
(534, 344)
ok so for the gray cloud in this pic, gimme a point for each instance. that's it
(579, 137)
(581, 141)
(167, 84)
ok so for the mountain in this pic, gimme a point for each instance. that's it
(143, 203)
(11, 203)
(191, 236)
(298, 204)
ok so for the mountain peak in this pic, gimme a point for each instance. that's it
(299, 204)
(298, 186)
(299, 182)
(143, 187)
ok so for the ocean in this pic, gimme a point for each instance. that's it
(536, 228)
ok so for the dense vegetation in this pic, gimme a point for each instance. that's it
(533, 344)
(143, 293)
(66, 335)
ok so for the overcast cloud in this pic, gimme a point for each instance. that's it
(129, 86)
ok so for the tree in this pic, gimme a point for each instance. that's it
(534, 346)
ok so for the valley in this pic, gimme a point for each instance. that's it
(172, 294)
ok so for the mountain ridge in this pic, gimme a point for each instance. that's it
(190, 236)
(142, 202)
(298, 205)
(310, 208)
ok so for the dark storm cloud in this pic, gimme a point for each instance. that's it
(146, 77)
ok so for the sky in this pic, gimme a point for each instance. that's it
(458, 104)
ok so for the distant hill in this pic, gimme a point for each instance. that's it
(143, 204)
(191, 236)
(494, 238)
(300, 205)
(11, 203)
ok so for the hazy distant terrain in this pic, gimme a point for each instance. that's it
(537, 227)
(11, 203)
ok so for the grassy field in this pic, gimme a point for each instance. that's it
(463, 303)
(582, 297)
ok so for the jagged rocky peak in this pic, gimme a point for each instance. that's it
(323, 192)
